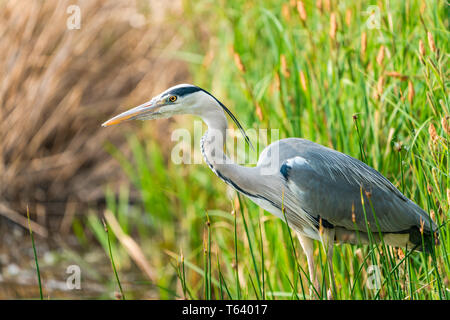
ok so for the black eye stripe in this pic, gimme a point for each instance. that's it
(182, 91)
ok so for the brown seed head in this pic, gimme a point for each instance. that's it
(237, 205)
(286, 11)
(238, 62)
(429, 189)
(277, 82)
(284, 68)
(259, 112)
(363, 43)
(411, 92)
(303, 80)
(398, 75)
(448, 197)
(353, 213)
(301, 10)
(432, 132)
(380, 85)
(445, 126)
(319, 5)
(333, 25)
(431, 43)
(422, 50)
(348, 17)
(400, 253)
(380, 56)
(432, 215)
(423, 6)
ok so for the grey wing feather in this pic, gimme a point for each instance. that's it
(330, 185)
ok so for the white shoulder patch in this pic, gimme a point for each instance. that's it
(299, 161)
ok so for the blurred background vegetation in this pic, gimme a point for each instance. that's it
(367, 78)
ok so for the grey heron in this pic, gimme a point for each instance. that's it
(321, 193)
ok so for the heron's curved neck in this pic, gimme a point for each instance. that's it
(212, 147)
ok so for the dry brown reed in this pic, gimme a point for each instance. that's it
(59, 85)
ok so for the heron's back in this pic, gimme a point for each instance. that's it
(342, 191)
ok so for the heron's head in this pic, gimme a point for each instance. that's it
(180, 99)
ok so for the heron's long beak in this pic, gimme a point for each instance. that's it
(142, 111)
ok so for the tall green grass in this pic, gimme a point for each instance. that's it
(325, 76)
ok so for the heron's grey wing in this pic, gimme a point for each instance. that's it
(331, 186)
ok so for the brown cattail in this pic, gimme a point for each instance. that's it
(348, 17)
(259, 112)
(422, 50)
(284, 68)
(380, 85)
(319, 5)
(411, 92)
(423, 6)
(398, 75)
(286, 12)
(363, 43)
(301, 10)
(353, 213)
(238, 62)
(237, 205)
(448, 196)
(432, 132)
(277, 82)
(333, 25)
(431, 43)
(445, 126)
(380, 56)
(432, 215)
(303, 80)
(400, 253)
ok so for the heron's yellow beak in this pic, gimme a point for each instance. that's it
(139, 112)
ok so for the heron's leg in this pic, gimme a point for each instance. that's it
(327, 238)
(308, 247)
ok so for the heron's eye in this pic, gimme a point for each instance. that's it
(173, 98)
